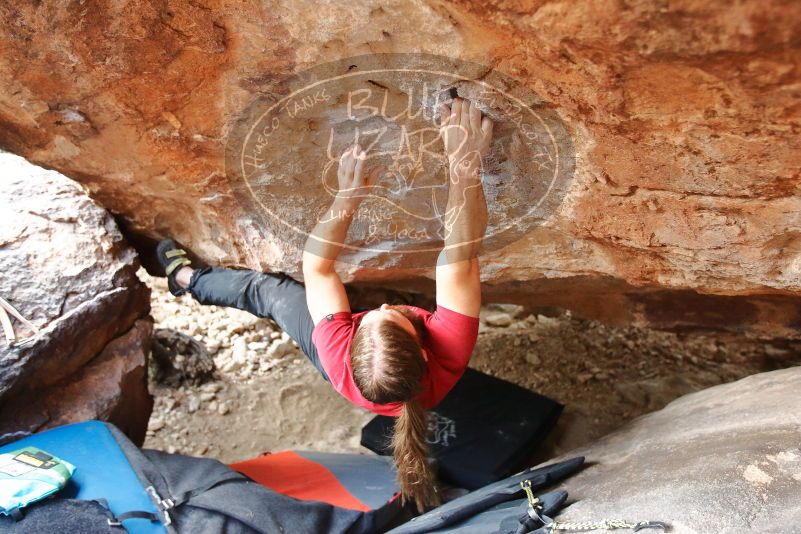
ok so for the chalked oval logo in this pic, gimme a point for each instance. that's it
(282, 155)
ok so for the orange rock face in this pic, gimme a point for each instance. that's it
(682, 206)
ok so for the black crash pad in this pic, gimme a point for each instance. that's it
(481, 432)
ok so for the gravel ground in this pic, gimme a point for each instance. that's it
(231, 386)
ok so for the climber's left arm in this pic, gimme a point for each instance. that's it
(325, 293)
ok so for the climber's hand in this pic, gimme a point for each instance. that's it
(354, 183)
(467, 136)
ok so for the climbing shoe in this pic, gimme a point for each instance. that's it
(172, 258)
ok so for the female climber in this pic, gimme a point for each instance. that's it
(394, 360)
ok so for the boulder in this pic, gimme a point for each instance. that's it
(725, 459)
(180, 359)
(67, 269)
(677, 200)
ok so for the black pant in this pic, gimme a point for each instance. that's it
(274, 296)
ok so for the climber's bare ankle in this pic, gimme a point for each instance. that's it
(183, 276)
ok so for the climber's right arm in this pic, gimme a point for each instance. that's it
(467, 140)
(325, 293)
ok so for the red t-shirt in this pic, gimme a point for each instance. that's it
(449, 341)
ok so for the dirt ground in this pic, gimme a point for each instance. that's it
(250, 390)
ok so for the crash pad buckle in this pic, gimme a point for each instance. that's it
(163, 504)
(533, 501)
(534, 510)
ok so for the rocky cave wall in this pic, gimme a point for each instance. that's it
(65, 267)
(683, 209)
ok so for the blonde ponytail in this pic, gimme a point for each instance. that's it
(415, 476)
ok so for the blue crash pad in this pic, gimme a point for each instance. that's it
(102, 470)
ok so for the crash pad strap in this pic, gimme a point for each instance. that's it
(117, 521)
(181, 498)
